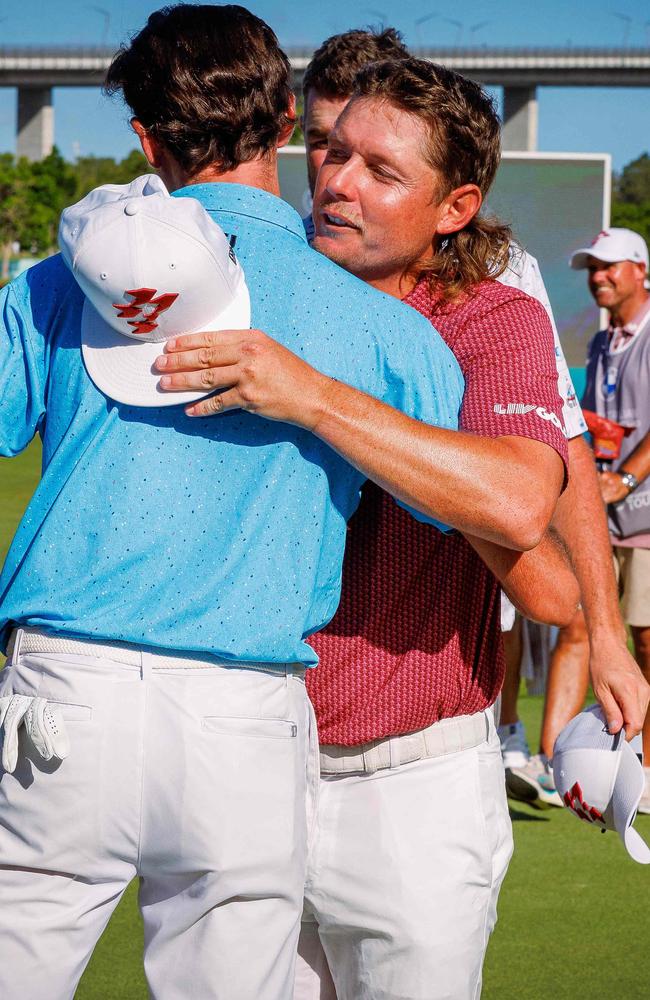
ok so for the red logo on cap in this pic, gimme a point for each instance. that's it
(601, 234)
(574, 800)
(145, 305)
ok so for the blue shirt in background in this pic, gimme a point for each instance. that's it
(221, 536)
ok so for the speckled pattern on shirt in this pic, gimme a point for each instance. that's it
(222, 536)
(417, 635)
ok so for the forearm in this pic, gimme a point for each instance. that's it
(638, 461)
(503, 489)
(540, 583)
(581, 522)
(613, 486)
(500, 489)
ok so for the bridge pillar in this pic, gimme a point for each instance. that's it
(519, 118)
(35, 122)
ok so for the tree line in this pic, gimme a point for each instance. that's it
(631, 197)
(33, 195)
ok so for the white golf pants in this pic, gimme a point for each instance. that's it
(192, 778)
(404, 873)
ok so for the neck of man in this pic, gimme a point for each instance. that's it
(628, 309)
(260, 173)
(398, 285)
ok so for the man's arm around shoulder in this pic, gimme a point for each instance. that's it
(504, 490)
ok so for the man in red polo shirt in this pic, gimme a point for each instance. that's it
(413, 835)
(415, 648)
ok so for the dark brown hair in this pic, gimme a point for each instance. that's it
(211, 83)
(463, 147)
(334, 66)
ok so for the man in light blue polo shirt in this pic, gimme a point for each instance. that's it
(160, 585)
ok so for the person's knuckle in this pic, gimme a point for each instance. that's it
(252, 349)
(248, 377)
(248, 394)
(207, 377)
(205, 356)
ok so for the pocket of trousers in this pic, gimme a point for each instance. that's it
(494, 808)
(72, 713)
(267, 729)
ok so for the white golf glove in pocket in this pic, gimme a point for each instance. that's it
(43, 724)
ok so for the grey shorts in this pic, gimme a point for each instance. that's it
(633, 573)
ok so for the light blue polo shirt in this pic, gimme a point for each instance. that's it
(221, 536)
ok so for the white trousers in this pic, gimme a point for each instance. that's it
(404, 874)
(193, 779)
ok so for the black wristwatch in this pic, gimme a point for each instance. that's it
(628, 479)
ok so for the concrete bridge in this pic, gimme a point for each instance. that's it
(36, 71)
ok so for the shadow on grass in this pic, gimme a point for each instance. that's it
(518, 817)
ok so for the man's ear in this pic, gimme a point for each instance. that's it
(642, 274)
(287, 130)
(150, 145)
(459, 208)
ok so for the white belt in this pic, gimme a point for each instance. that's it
(443, 737)
(34, 641)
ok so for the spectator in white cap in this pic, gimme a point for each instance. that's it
(617, 261)
(612, 246)
(618, 380)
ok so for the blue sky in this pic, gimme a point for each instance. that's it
(570, 119)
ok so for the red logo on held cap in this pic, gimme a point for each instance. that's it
(145, 305)
(574, 800)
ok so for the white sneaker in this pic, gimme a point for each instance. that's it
(514, 748)
(533, 783)
(644, 804)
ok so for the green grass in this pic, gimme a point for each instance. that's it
(18, 478)
(574, 913)
(574, 917)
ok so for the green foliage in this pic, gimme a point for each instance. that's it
(33, 195)
(91, 171)
(636, 217)
(297, 138)
(632, 186)
(631, 203)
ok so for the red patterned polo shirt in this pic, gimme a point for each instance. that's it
(416, 637)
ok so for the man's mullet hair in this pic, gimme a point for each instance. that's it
(210, 83)
(464, 147)
(334, 66)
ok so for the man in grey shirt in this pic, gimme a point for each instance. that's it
(618, 369)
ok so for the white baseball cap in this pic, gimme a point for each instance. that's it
(612, 245)
(599, 777)
(152, 267)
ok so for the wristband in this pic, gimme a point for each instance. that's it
(628, 479)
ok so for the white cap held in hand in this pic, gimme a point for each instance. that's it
(600, 778)
(152, 267)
